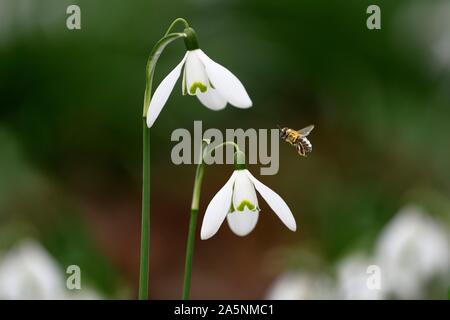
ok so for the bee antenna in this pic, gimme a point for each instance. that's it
(278, 126)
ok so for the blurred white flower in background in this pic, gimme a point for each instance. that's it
(412, 250)
(413, 255)
(352, 277)
(431, 35)
(29, 272)
(301, 286)
(20, 18)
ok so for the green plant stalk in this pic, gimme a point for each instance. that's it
(145, 214)
(192, 229)
(193, 224)
(145, 217)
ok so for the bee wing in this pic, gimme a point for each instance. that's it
(305, 131)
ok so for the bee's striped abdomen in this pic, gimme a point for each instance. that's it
(307, 145)
(303, 146)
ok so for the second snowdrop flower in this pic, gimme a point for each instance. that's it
(213, 84)
(237, 201)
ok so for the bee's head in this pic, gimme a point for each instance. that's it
(282, 132)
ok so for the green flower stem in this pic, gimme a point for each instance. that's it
(189, 254)
(145, 214)
(193, 223)
(226, 143)
(145, 218)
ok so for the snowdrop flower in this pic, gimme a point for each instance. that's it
(237, 202)
(213, 84)
(412, 250)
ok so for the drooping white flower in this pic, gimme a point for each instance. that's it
(412, 250)
(213, 84)
(237, 202)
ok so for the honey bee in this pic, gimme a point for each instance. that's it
(298, 139)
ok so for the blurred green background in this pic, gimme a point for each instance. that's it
(70, 133)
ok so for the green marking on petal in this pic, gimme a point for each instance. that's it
(245, 203)
(197, 85)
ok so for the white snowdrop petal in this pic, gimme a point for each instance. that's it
(242, 223)
(244, 194)
(196, 79)
(275, 202)
(225, 82)
(217, 210)
(212, 99)
(162, 93)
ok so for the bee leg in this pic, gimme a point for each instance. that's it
(300, 150)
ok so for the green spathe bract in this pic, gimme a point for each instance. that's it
(151, 64)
